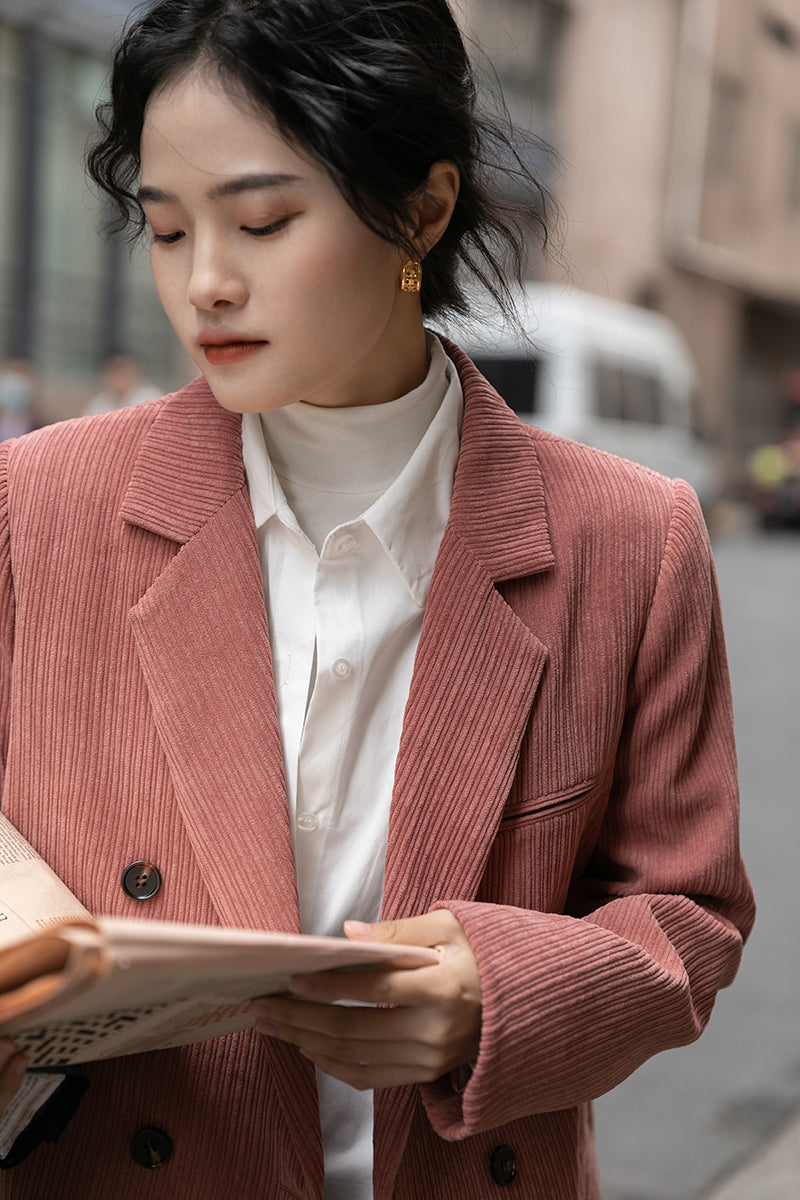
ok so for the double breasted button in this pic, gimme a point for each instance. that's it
(151, 1148)
(503, 1165)
(141, 880)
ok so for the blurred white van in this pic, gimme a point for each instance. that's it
(608, 374)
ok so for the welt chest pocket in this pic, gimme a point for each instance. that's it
(522, 810)
(541, 844)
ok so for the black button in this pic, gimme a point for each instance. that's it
(141, 880)
(151, 1148)
(503, 1165)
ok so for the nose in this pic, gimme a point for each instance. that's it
(216, 279)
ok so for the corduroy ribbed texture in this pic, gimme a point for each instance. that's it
(565, 784)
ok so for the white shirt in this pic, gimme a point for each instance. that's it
(372, 486)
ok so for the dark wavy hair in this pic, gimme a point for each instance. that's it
(374, 90)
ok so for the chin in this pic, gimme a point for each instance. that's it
(235, 404)
(246, 400)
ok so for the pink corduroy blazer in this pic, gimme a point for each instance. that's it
(566, 785)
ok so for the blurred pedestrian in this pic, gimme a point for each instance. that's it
(774, 468)
(121, 385)
(17, 398)
(332, 636)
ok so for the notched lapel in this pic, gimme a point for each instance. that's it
(188, 466)
(202, 636)
(475, 678)
(477, 667)
(203, 643)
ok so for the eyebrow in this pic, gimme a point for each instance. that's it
(231, 187)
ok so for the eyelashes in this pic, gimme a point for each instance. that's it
(261, 231)
(266, 230)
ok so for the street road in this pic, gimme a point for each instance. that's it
(688, 1117)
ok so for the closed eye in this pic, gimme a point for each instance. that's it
(168, 239)
(266, 230)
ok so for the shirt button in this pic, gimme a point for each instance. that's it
(342, 668)
(307, 821)
(344, 545)
(141, 880)
(503, 1165)
(151, 1148)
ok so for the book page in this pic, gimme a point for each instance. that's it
(32, 897)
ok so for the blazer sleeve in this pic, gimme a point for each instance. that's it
(574, 1002)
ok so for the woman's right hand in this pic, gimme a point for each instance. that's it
(12, 1069)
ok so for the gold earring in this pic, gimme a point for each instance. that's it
(411, 279)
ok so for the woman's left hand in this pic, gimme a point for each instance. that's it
(432, 1025)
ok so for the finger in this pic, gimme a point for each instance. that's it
(365, 1076)
(454, 981)
(337, 1021)
(422, 1059)
(364, 987)
(428, 1038)
(429, 929)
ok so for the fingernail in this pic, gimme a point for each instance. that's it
(358, 929)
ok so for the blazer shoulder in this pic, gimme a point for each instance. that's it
(85, 460)
(93, 438)
(603, 483)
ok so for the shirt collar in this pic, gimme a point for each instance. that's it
(266, 494)
(409, 519)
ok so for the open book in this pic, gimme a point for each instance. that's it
(75, 988)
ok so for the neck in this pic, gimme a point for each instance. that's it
(394, 366)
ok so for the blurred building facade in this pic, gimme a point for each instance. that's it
(69, 297)
(678, 126)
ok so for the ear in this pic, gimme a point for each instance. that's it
(433, 207)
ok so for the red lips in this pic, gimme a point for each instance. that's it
(218, 354)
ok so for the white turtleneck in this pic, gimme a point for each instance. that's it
(333, 464)
(350, 506)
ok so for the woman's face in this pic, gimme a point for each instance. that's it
(275, 287)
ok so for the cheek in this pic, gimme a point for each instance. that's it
(162, 278)
(171, 291)
(346, 285)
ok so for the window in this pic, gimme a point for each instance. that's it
(514, 378)
(69, 252)
(66, 297)
(625, 393)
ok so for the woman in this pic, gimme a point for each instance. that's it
(330, 636)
